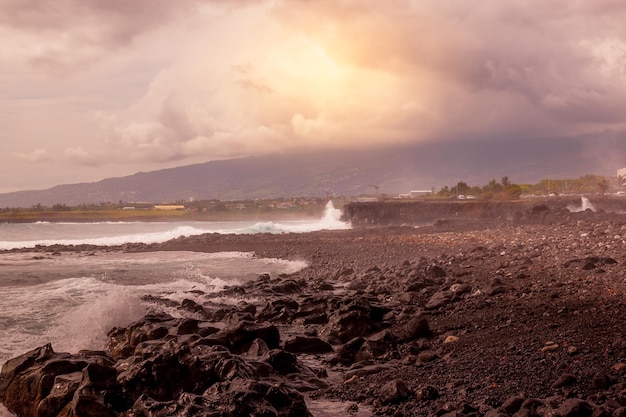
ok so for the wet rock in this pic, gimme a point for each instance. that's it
(355, 318)
(302, 344)
(62, 392)
(187, 326)
(287, 287)
(28, 383)
(283, 362)
(345, 326)
(239, 337)
(231, 398)
(96, 395)
(347, 354)
(160, 376)
(191, 305)
(383, 343)
(279, 310)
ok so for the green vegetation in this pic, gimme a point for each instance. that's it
(505, 190)
(205, 210)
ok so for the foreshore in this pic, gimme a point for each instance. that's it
(460, 318)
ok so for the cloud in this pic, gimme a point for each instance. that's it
(35, 156)
(242, 77)
(80, 156)
(61, 36)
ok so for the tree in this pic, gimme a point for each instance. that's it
(513, 191)
(505, 181)
(462, 187)
(603, 186)
(493, 187)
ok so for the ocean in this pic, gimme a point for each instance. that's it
(73, 299)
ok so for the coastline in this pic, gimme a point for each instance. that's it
(515, 314)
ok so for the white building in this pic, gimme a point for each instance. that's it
(417, 193)
(621, 173)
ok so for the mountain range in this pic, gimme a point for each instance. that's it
(397, 169)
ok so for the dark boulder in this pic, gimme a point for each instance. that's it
(416, 328)
(281, 310)
(439, 299)
(302, 344)
(394, 392)
(574, 407)
(235, 398)
(239, 337)
(354, 318)
(44, 383)
(283, 362)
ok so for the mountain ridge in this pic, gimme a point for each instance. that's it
(348, 173)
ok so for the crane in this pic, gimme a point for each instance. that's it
(377, 187)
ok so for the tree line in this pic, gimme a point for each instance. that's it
(506, 190)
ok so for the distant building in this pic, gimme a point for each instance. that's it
(417, 193)
(621, 173)
(169, 207)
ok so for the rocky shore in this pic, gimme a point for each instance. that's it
(466, 317)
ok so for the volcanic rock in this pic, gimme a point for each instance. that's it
(394, 391)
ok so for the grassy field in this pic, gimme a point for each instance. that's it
(157, 215)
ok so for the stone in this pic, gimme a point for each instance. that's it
(565, 380)
(348, 352)
(287, 287)
(344, 326)
(574, 407)
(426, 356)
(427, 393)
(602, 380)
(417, 327)
(61, 394)
(512, 404)
(239, 337)
(436, 271)
(302, 344)
(283, 362)
(439, 299)
(394, 392)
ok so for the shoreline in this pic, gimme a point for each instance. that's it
(460, 317)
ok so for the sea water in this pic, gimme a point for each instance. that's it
(73, 299)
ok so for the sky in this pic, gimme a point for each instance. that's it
(91, 89)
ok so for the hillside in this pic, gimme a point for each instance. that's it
(348, 173)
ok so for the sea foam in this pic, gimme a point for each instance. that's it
(30, 235)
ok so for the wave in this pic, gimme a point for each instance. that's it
(118, 233)
(585, 204)
(74, 310)
(331, 220)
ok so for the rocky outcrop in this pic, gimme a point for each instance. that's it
(151, 370)
(448, 214)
